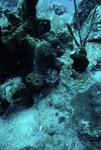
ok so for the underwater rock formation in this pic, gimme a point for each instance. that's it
(65, 38)
(3, 106)
(87, 112)
(14, 91)
(11, 17)
(17, 92)
(79, 57)
(84, 9)
(27, 9)
(95, 34)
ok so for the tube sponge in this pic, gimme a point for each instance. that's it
(44, 55)
(27, 9)
(36, 79)
(17, 92)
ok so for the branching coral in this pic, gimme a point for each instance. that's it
(79, 57)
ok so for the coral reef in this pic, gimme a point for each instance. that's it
(58, 8)
(46, 68)
(59, 40)
(32, 25)
(27, 9)
(95, 34)
(80, 60)
(79, 57)
(83, 130)
(28, 57)
(14, 91)
(44, 55)
(11, 16)
(36, 79)
(3, 106)
(51, 77)
(84, 9)
(65, 38)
